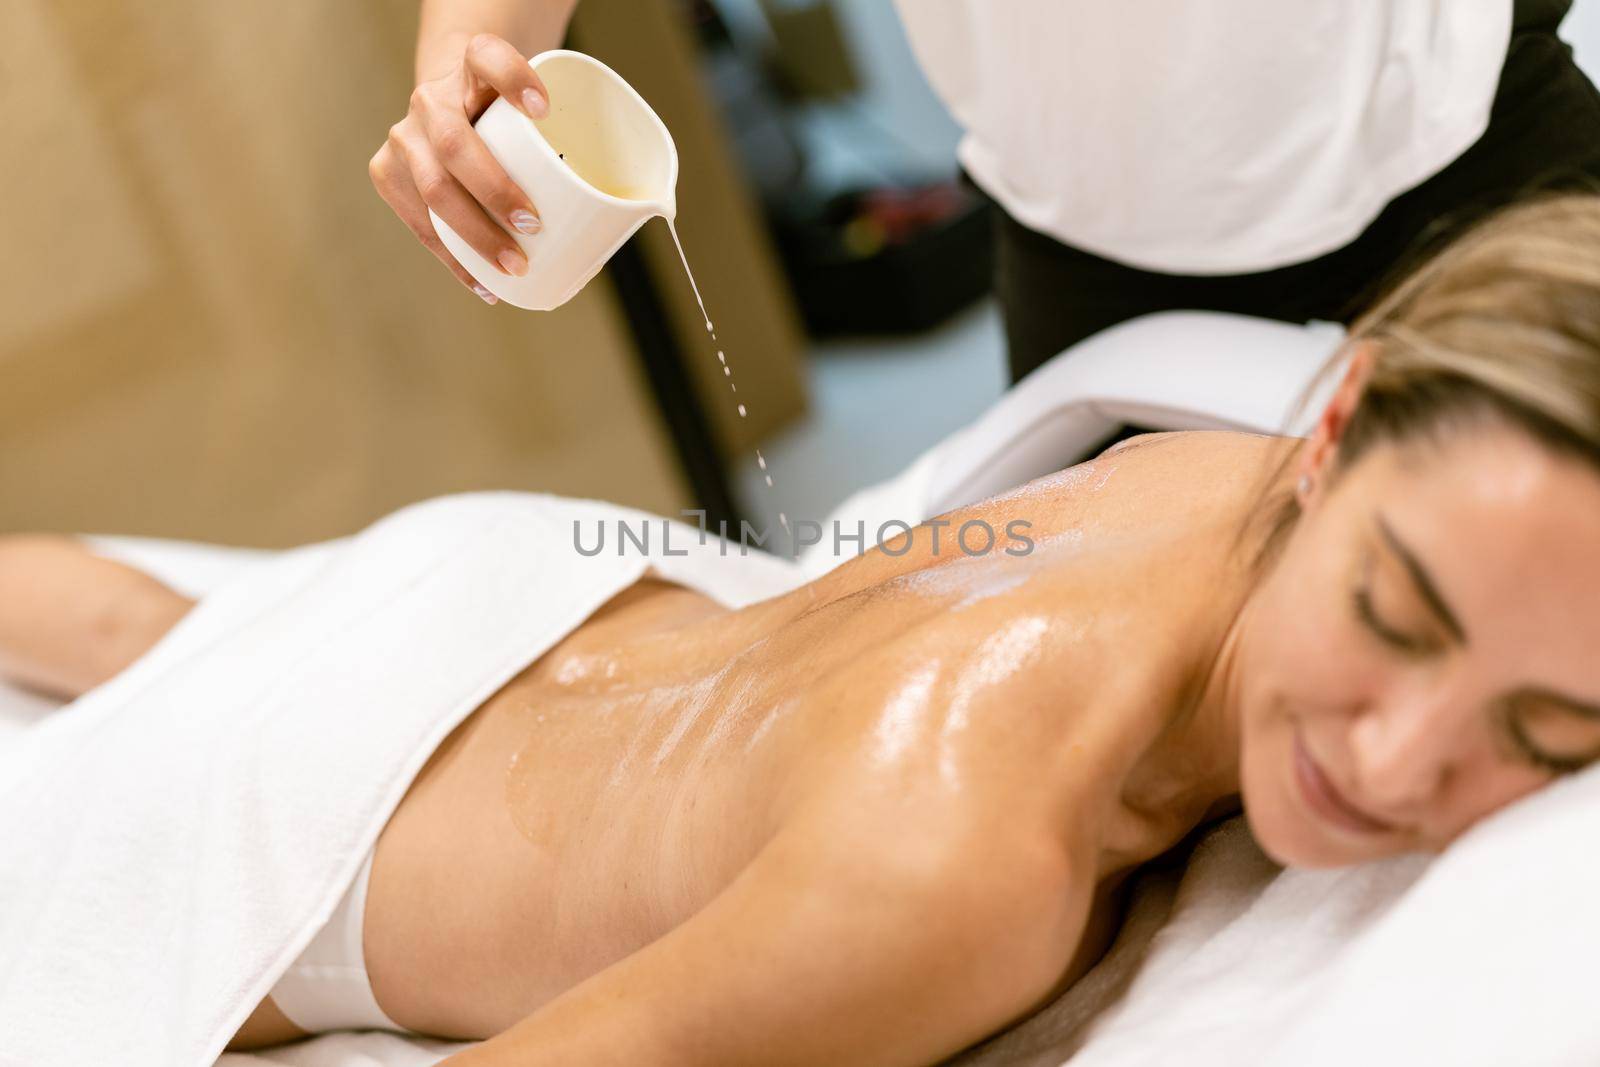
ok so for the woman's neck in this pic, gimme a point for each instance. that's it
(1191, 769)
(1192, 766)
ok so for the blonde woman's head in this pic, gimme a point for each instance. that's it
(1420, 648)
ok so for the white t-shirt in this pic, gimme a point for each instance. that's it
(1209, 136)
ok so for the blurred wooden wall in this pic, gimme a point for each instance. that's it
(212, 328)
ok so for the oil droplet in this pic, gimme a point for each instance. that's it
(720, 357)
(769, 481)
(741, 411)
(761, 460)
(783, 519)
(725, 371)
(735, 388)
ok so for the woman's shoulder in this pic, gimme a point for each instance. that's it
(1183, 487)
(1221, 452)
(1196, 486)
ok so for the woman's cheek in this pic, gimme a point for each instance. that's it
(1317, 653)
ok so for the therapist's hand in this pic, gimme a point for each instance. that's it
(433, 158)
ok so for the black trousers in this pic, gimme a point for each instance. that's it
(1543, 135)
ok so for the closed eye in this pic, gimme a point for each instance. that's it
(1542, 731)
(1538, 757)
(1362, 600)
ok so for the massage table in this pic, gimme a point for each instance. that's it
(1479, 957)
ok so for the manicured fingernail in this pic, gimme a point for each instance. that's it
(536, 105)
(526, 222)
(485, 295)
(513, 262)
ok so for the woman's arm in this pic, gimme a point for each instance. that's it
(70, 620)
(820, 954)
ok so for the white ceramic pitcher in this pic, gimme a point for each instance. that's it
(596, 168)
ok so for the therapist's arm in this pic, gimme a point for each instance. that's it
(529, 26)
(468, 52)
(70, 620)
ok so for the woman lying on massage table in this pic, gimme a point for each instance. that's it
(920, 780)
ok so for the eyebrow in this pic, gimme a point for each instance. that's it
(1424, 583)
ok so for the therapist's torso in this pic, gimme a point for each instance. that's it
(1209, 136)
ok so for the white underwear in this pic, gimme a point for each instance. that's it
(327, 988)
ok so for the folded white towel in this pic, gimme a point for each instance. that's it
(170, 842)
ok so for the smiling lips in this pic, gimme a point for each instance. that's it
(1326, 801)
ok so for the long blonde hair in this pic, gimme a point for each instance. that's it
(1501, 326)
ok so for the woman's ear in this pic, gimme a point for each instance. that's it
(1323, 445)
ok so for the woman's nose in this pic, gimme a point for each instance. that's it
(1403, 755)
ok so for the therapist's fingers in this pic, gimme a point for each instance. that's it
(449, 199)
(495, 64)
(434, 159)
(457, 146)
(392, 178)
